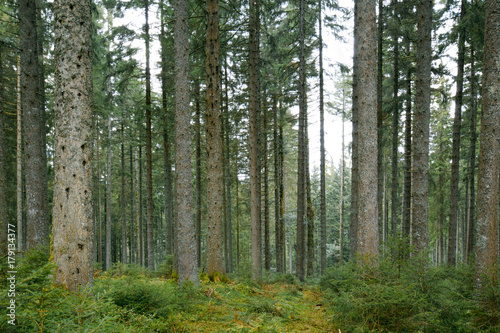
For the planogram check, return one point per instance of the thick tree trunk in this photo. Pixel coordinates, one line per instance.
(184, 224)
(455, 155)
(254, 134)
(73, 225)
(365, 91)
(215, 172)
(420, 186)
(138, 211)
(132, 207)
(34, 129)
(486, 268)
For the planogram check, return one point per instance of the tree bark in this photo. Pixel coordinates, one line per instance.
(3, 167)
(184, 224)
(406, 213)
(420, 186)
(34, 129)
(455, 155)
(149, 163)
(277, 184)
(197, 125)
(229, 225)
(395, 124)
(21, 230)
(301, 256)
(108, 201)
(322, 147)
(254, 134)
(471, 230)
(486, 268)
(380, 122)
(123, 202)
(365, 91)
(73, 225)
(267, 236)
(215, 175)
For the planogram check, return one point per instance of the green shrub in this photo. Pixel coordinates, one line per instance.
(408, 297)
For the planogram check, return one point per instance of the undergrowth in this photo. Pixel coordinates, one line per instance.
(406, 295)
(130, 298)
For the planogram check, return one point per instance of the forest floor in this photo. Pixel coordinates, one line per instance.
(241, 305)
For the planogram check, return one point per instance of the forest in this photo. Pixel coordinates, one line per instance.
(170, 166)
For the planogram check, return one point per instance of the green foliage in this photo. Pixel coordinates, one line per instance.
(405, 297)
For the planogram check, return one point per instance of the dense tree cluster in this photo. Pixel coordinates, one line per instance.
(210, 167)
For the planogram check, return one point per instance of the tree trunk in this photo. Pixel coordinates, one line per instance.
(73, 224)
(229, 225)
(132, 207)
(149, 163)
(3, 167)
(184, 224)
(301, 256)
(486, 268)
(138, 211)
(420, 186)
(215, 175)
(198, 172)
(322, 147)
(123, 202)
(21, 231)
(342, 174)
(471, 234)
(277, 182)
(34, 129)
(267, 236)
(365, 91)
(108, 201)
(455, 155)
(380, 122)
(99, 218)
(254, 134)
(395, 125)
(406, 213)
(167, 141)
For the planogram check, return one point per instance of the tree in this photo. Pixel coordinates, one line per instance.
(184, 224)
(254, 134)
(365, 98)
(395, 122)
(149, 164)
(3, 167)
(420, 145)
(322, 147)
(34, 128)
(301, 167)
(486, 268)
(73, 211)
(455, 156)
(215, 254)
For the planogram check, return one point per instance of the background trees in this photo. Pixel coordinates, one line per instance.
(249, 86)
